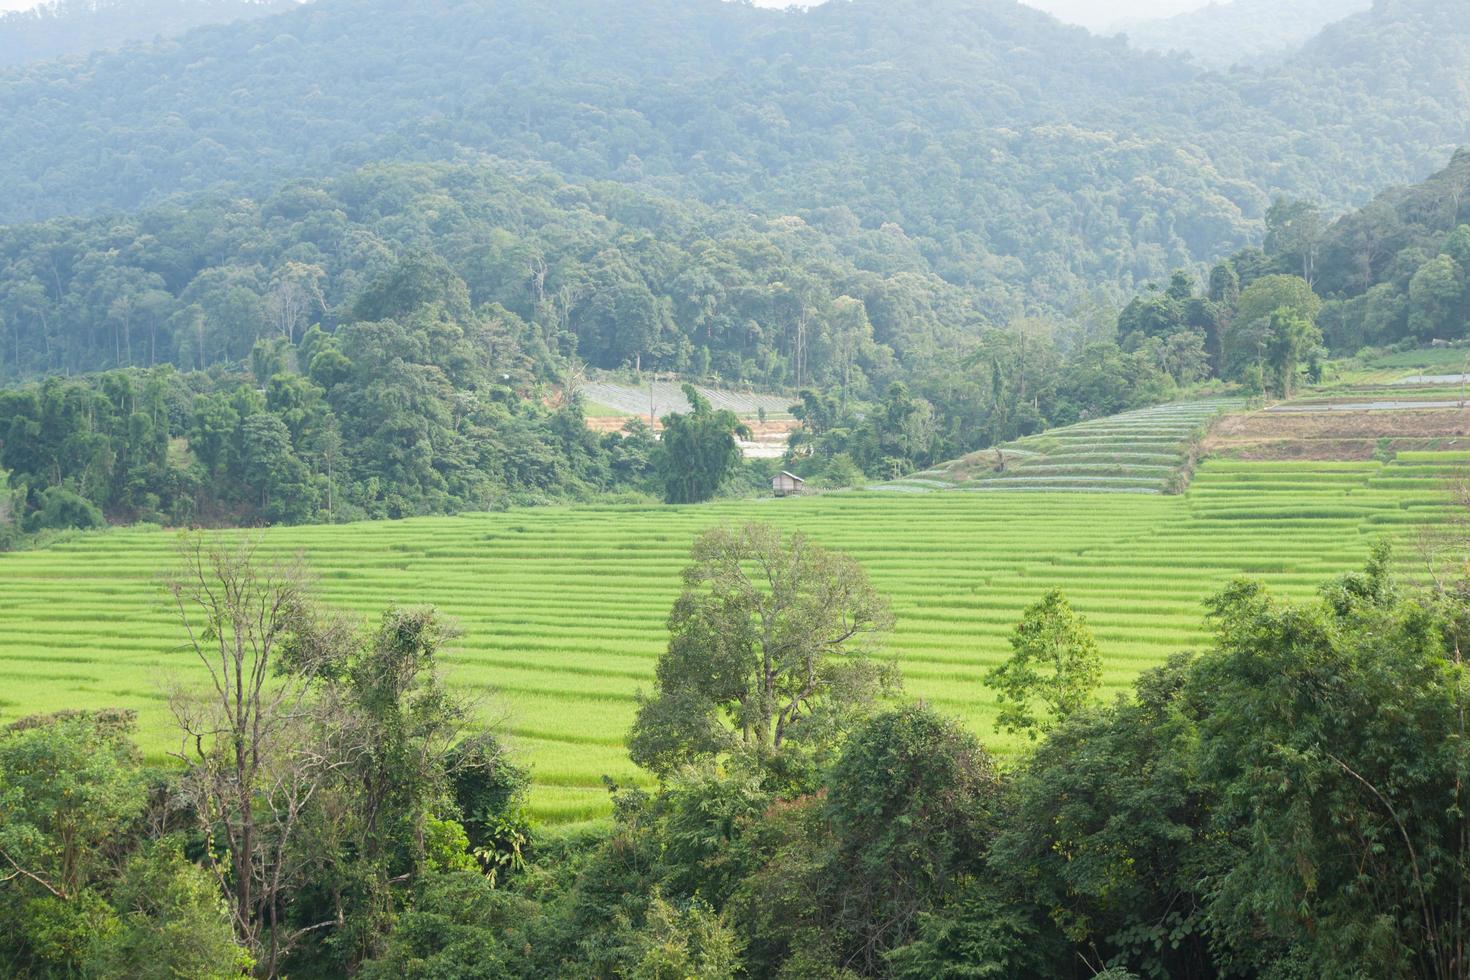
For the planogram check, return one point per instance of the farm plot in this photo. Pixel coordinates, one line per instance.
(563, 609)
(1146, 451)
(667, 396)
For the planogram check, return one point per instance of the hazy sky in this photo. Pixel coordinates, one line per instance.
(1091, 13)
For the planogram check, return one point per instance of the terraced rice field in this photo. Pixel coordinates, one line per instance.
(1136, 452)
(564, 608)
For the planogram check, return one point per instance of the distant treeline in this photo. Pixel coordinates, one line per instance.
(417, 404)
(1395, 273)
(305, 308)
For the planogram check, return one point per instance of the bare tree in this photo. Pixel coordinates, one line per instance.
(255, 756)
(295, 293)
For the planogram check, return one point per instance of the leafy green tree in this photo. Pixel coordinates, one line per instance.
(383, 706)
(683, 944)
(60, 509)
(1435, 294)
(1253, 337)
(419, 280)
(72, 786)
(71, 792)
(1108, 827)
(910, 800)
(1052, 672)
(457, 926)
(697, 451)
(488, 787)
(852, 332)
(270, 464)
(172, 922)
(984, 931)
(769, 649)
(1295, 231)
(1292, 337)
(1332, 739)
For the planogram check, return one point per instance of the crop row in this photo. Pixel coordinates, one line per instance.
(1136, 452)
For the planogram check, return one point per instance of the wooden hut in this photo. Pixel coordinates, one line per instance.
(787, 484)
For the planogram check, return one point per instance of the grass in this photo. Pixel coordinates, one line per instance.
(563, 609)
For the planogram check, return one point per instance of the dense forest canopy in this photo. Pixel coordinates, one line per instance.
(1393, 273)
(1025, 159)
(608, 274)
(73, 28)
(487, 285)
(407, 339)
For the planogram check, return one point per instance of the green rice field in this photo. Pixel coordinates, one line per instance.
(1144, 451)
(563, 608)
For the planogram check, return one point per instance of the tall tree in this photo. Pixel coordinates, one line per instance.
(1053, 670)
(770, 646)
(697, 450)
(253, 761)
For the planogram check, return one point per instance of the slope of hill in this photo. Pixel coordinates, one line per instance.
(1238, 31)
(72, 28)
(1027, 160)
(1144, 451)
(1398, 269)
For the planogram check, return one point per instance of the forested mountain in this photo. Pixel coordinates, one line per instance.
(1240, 31)
(1025, 159)
(68, 28)
(1395, 273)
(1398, 269)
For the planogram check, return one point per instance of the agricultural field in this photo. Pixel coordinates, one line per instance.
(1147, 451)
(563, 609)
(611, 398)
(1393, 367)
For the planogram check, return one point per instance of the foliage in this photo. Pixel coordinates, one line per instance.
(910, 802)
(458, 925)
(1108, 830)
(171, 922)
(390, 419)
(768, 652)
(623, 278)
(1053, 670)
(71, 797)
(687, 944)
(982, 933)
(697, 451)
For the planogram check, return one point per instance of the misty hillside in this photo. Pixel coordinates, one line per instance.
(1239, 31)
(71, 28)
(1027, 160)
